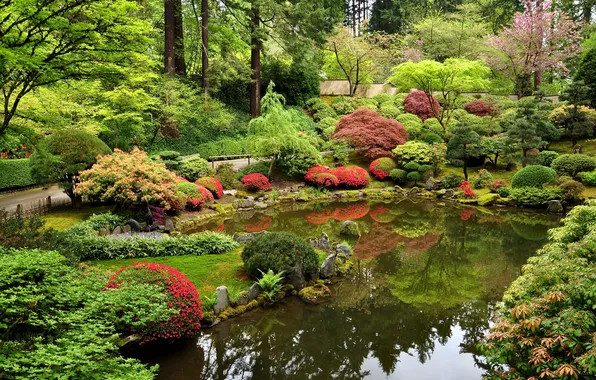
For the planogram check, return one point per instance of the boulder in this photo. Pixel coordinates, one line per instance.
(296, 278)
(350, 228)
(328, 268)
(254, 291)
(244, 203)
(169, 225)
(432, 184)
(316, 294)
(230, 192)
(555, 207)
(223, 299)
(104, 231)
(343, 250)
(449, 193)
(117, 230)
(260, 204)
(243, 299)
(322, 243)
(126, 229)
(243, 237)
(488, 199)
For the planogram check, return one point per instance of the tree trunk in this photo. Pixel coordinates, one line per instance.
(465, 170)
(179, 62)
(205, 43)
(255, 65)
(537, 80)
(169, 55)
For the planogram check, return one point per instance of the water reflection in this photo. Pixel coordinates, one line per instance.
(419, 300)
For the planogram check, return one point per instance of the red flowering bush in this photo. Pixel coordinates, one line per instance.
(317, 169)
(319, 217)
(467, 189)
(192, 196)
(417, 103)
(320, 176)
(351, 177)
(212, 184)
(370, 133)
(351, 211)
(183, 300)
(497, 184)
(381, 167)
(181, 179)
(260, 225)
(158, 214)
(480, 108)
(256, 182)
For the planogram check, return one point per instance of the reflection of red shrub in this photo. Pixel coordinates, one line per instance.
(370, 133)
(351, 177)
(319, 217)
(381, 239)
(352, 211)
(467, 213)
(381, 167)
(256, 182)
(381, 214)
(480, 108)
(183, 297)
(422, 243)
(220, 228)
(260, 225)
(212, 184)
(417, 103)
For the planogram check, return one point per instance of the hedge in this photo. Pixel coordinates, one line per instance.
(15, 173)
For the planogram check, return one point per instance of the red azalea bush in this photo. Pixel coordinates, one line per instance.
(256, 182)
(208, 195)
(319, 217)
(497, 184)
(381, 167)
(351, 177)
(181, 179)
(351, 212)
(417, 103)
(183, 298)
(158, 213)
(212, 184)
(370, 133)
(260, 225)
(317, 169)
(320, 176)
(467, 189)
(191, 196)
(480, 108)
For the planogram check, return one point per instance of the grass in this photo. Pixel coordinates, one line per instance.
(62, 219)
(205, 272)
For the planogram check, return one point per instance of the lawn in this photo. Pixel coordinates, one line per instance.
(62, 219)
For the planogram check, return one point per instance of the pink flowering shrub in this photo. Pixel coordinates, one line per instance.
(321, 177)
(497, 184)
(212, 184)
(480, 108)
(183, 299)
(351, 177)
(256, 182)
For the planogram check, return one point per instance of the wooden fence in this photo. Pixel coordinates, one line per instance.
(40, 207)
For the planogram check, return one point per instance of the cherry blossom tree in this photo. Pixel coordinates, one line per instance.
(539, 39)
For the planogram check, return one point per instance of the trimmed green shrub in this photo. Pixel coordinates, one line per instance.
(504, 192)
(390, 111)
(194, 168)
(533, 176)
(430, 138)
(573, 164)
(535, 197)
(546, 157)
(171, 158)
(227, 176)
(589, 178)
(451, 181)
(572, 189)
(15, 173)
(413, 151)
(398, 175)
(412, 166)
(411, 123)
(413, 176)
(223, 147)
(259, 167)
(280, 252)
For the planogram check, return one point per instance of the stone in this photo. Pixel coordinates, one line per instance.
(349, 228)
(343, 250)
(555, 207)
(104, 231)
(488, 199)
(249, 198)
(223, 299)
(117, 230)
(270, 202)
(328, 268)
(169, 225)
(432, 184)
(260, 199)
(322, 243)
(230, 192)
(316, 294)
(449, 193)
(243, 299)
(260, 205)
(244, 203)
(254, 291)
(243, 237)
(296, 278)
(126, 229)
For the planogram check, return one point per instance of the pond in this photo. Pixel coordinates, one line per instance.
(423, 293)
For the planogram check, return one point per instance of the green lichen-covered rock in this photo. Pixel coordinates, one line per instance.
(350, 228)
(488, 199)
(316, 294)
(466, 201)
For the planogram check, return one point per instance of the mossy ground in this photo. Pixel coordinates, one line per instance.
(61, 219)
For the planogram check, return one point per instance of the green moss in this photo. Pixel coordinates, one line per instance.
(468, 201)
(315, 294)
(488, 199)
(322, 255)
(62, 219)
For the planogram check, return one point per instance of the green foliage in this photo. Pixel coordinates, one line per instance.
(451, 181)
(483, 180)
(535, 197)
(226, 176)
(412, 166)
(270, 283)
(296, 82)
(281, 252)
(546, 157)
(533, 176)
(223, 147)
(23, 232)
(15, 173)
(572, 189)
(413, 176)
(98, 221)
(504, 192)
(194, 168)
(170, 158)
(259, 167)
(573, 164)
(587, 74)
(70, 332)
(398, 175)
(464, 145)
(411, 123)
(430, 138)
(589, 178)
(413, 151)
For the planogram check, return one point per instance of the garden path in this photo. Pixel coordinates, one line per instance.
(10, 201)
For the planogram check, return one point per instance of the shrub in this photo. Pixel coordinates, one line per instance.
(221, 147)
(317, 169)
(381, 167)
(15, 173)
(194, 168)
(411, 123)
(398, 175)
(170, 158)
(431, 138)
(226, 175)
(256, 182)
(451, 181)
(325, 180)
(589, 178)
(535, 197)
(533, 176)
(413, 151)
(280, 252)
(417, 103)
(571, 188)
(483, 180)
(259, 167)
(466, 187)
(389, 111)
(183, 299)
(497, 184)
(371, 134)
(412, 166)
(126, 178)
(342, 106)
(211, 184)
(413, 176)
(504, 192)
(480, 108)
(573, 164)
(351, 177)
(546, 157)
(195, 195)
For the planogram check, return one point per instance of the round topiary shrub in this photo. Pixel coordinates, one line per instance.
(381, 167)
(411, 123)
(317, 169)
(573, 164)
(194, 196)
(280, 252)
(451, 181)
(480, 108)
(416, 151)
(256, 182)
(418, 104)
(546, 157)
(412, 166)
(398, 175)
(194, 168)
(325, 180)
(431, 138)
(212, 184)
(183, 305)
(351, 177)
(533, 176)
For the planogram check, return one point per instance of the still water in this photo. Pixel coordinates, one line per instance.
(423, 293)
